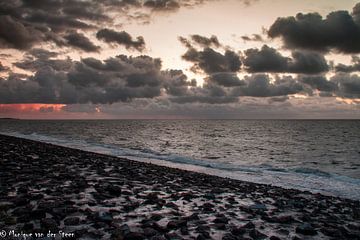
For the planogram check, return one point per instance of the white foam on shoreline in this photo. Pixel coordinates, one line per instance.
(297, 178)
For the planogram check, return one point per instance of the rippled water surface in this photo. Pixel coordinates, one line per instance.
(281, 150)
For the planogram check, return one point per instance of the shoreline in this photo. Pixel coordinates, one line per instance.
(94, 196)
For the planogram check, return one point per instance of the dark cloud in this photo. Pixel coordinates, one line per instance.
(339, 31)
(201, 41)
(57, 22)
(162, 5)
(14, 34)
(122, 38)
(253, 37)
(348, 85)
(268, 59)
(211, 61)
(3, 68)
(319, 83)
(354, 67)
(122, 78)
(205, 41)
(42, 53)
(80, 41)
(260, 85)
(226, 79)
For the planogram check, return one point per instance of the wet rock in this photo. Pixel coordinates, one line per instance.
(156, 217)
(184, 230)
(249, 225)
(172, 236)
(175, 224)
(72, 221)
(306, 229)
(220, 226)
(105, 217)
(275, 238)
(134, 236)
(229, 236)
(149, 232)
(114, 190)
(255, 234)
(238, 231)
(261, 207)
(221, 219)
(49, 224)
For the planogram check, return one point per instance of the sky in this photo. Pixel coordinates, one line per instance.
(171, 59)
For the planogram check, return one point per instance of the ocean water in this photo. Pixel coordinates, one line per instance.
(315, 155)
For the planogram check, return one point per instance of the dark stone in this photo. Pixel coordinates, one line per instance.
(134, 236)
(220, 226)
(238, 231)
(249, 225)
(49, 224)
(306, 229)
(221, 220)
(275, 238)
(156, 217)
(149, 232)
(72, 221)
(38, 214)
(255, 234)
(105, 217)
(229, 236)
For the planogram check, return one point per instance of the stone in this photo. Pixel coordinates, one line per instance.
(255, 234)
(72, 221)
(306, 229)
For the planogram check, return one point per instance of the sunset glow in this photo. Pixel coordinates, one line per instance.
(4, 108)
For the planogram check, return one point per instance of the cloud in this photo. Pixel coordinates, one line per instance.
(162, 5)
(354, 67)
(225, 79)
(14, 34)
(260, 85)
(90, 80)
(339, 31)
(319, 83)
(348, 85)
(42, 53)
(253, 37)
(3, 68)
(205, 41)
(121, 38)
(268, 59)
(211, 61)
(80, 41)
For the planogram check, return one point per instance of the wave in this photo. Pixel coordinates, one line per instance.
(308, 179)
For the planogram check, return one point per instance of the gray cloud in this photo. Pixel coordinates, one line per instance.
(121, 38)
(259, 85)
(354, 67)
(80, 41)
(319, 83)
(348, 85)
(14, 34)
(122, 78)
(211, 61)
(253, 37)
(205, 41)
(162, 5)
(268, 59)
(339, 31)
(3, 68)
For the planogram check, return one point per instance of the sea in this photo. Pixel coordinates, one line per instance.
(321, 156)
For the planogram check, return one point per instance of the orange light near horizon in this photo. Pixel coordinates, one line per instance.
(31, 107)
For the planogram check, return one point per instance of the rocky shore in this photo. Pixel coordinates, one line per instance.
(52, 192)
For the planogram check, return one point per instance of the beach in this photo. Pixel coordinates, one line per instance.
(53, 192)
